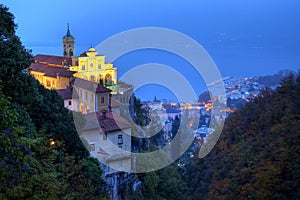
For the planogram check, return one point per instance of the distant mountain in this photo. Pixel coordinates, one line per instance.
(275, 79)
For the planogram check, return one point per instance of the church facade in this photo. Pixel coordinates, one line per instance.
(91, 66)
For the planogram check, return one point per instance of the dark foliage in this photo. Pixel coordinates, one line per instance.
(30, 115)
(257, 156)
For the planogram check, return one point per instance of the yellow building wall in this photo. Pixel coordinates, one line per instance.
(102, 105)
(56, 83)
(93, 68)
(37, 75)
(62, 82)
(49, 82)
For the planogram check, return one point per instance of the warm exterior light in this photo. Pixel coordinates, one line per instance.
(52, 142)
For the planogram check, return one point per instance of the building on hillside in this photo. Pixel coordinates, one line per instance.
(52, 71)
(115, 106)
(92, 97)
(57, 72)
(106, 132)
(66, 95)
(109, 139)
(89, 85)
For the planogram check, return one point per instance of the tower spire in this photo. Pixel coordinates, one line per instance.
(68, 30)
(68, 43)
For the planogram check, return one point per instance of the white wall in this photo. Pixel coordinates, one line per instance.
(110, 145)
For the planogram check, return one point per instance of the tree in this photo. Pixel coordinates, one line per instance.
(257, 156)
(30, 117)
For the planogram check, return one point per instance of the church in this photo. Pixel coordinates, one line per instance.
(57, 72)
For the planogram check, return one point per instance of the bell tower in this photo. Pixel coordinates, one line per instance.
(68, 44)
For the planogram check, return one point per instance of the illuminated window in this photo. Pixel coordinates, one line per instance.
(108, 79)
(81, 108)
(48, 83)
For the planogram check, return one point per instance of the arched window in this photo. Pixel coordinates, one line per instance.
(71, 52)
(108, 79)
(93, 78)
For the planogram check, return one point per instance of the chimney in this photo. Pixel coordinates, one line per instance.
(103, 114)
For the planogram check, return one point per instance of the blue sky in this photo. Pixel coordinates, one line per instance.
(244, 38)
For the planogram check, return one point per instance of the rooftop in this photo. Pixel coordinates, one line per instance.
(54, 60)
(51, 71)
(65, 93)
(90, 86)
(108, 123)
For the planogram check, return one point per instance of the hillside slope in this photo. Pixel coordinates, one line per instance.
(258, 153)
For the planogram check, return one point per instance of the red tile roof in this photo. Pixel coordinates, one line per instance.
(55, 60)
(51, 71)
(83, 54)
(102, 151)
(90, 86)
(112, 122)
(65, 93)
